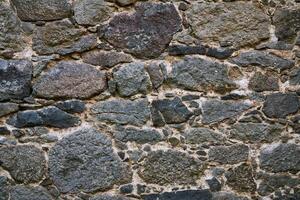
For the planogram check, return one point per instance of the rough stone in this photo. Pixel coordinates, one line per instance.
(146, 32)
(170, 167)
(7, 108)
(26, 163)
(157, 73)
(83, 156)
(122, 111)
(280, 105)
(202, 135)
(125, 2)
(110, 197)
(214, 184)
(280, 158)
(179, 50)
(68, 79)
(201, 75)
(4, 130)
(180, 195)
(20, 192)
(49, 116)
(15, 79)
(126, 189)
(219, 53)
(225, 23)
(263, 82)
(227, 196)
(229, 154)
(71, 106)
(295, 77)
(4, 188)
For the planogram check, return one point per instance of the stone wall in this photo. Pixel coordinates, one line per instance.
(149, 100)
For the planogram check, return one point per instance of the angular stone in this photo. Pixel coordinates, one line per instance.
(105, 58)
(122, 111)
(295, 77)
(157, 73)
(225, 23)
(280, 158)
(21, 192)
(227, 196)
(256, 132)
(83, 156)
(170, 167)
(26, 163)
(229, 154)
(219, 53)
(49, 116)
(201, 75)
(15, 79)
(170, 111)
(262, 59)
(132, 79)
(146, 32)
(179, 50)
(280, 105)
(7, 108)
(4, 188)
(216, 110)
(214, 184)
(110, 197)
(125, 2)
(71, 106)
(261, 82)
(180, 195)
(4, 130)
(202, 135)
(68, 79)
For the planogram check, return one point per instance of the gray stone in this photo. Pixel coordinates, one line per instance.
(42, 10)
(170, 167)
(179, 50)
(216, 110)
(180, 195)
(49, 116)
(15, 79)
(256, 132)
(68, 79)
(295, 77)
(201, 135)
(280, 105)
(20, 192)
(263, 82)
(225, 23)
(132, 79)
(125, 2)
(110, 197)
(122, 111)
(7, 108)
(26, 163)
(201, 75)
(126, 189)
(71, 106)
(280, 158)
(262, 59)
(229, 154)
(4, 188)
(157, 72)
(227, 196)
(146, 32)
(214, 184)
(83, 156)
(105, 58)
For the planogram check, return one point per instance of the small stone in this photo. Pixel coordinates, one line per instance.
(140, 188)
(157, 73)
(190, 97)
(174, 141)
(202, 135)
(295, 77)
(110, 197)
(71, 106)
(26, 163)
(179, 50)
(180, 195)
(219, 53)
(214, 184)
(125, 2)
(260, 82)
(280, 105)
(227, 196)
(4, 131)
(21, 192)
(126, 189)
(229, 154)
(8, 108)
(233, 96)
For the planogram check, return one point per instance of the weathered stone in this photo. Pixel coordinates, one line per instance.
(241, 179)
(180, 195)
(122, 111)
(15, 79)
(227, 196)
(68, 79)
(201, 135)
(214, 184)
(92, 12)
(280, 105)
(170, 167)
(146, 32)
(261, 82)
(83, 156)
(26, 163)
(220, 53)
(280, 158)
(262, 59)
(197, 74)
(49, 116)
(132, 79)
(20, 192)
(110, 197)
(225, 23)
(4, 188)
(126, 189)
(256, 132)
(71, 106)
(229, 154)
(170, 111)
(105, 58)
(295, 77)
(216, 110)
(179, 50)
(157, 73)
(7, 108)
(125, 2)
(4, 130)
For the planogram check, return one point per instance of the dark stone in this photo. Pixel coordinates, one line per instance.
(280, 105)
(296, 123)
(20, 192)
(202, 135)
(110, 197)
(180, 195)
(157, 73)
(49, 116)
(220, 53)
(141, 188)
(146, 32)
(4, 131)
(125, 2)
(229, 154)
(170, 111)
(8, 108)
(4, 188)
(179, 50)
(71, 106)
(126, 189)
(280, 158)
(190, 97)
(233, 96)
(15, 79)
(295, 77)
(214, 184)
(227, 196)
(263, 82)
(26, 163)
(170, 167)
(68, 79)
(83, 156)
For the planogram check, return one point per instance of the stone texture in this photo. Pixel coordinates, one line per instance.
(83, 156)
(229, 154)
(227, 196)
(170, 167)
(236, 23)
(122, 111)
(201, 135)
(295, 77)
(201, 75)
(263, 82)
(214, 184)
(26, 163)
(68, 79)
(125, 2)
(157, 72)
(7, 108)
(280, 105)
(110, 197)
(180, 195)
(15, 79)
(179, 50)
(146, 32)
(280, 158)
(4, 188)
(20, 192)
(71, 106)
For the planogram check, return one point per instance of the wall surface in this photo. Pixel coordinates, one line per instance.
(149, 100)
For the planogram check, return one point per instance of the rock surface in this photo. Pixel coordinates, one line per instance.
(263, 82)
(201, 135)
(7, 108)
(20, 192)
(180, 195)
(229, 154)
